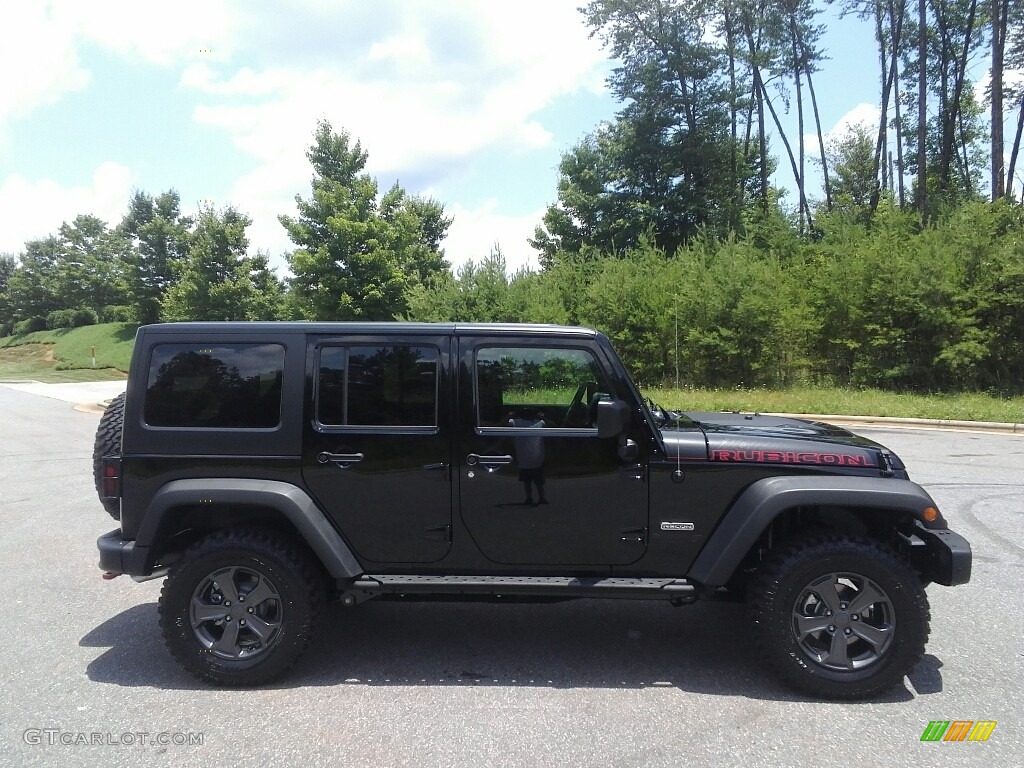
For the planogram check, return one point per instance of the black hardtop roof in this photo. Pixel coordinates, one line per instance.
(369, 328)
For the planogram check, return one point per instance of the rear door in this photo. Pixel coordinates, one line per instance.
(537, 484)
(377, 453)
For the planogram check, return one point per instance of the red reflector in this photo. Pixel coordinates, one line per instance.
(110, 486)
(110, 471)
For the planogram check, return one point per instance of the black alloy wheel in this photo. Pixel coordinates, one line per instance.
(239, 607)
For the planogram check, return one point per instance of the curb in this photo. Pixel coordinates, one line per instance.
(954, 424)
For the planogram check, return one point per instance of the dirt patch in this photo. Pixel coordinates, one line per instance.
(39, 353)
(90, 408)
(28, 361)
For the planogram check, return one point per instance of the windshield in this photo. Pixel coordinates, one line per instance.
(665, 417)
(660, 417)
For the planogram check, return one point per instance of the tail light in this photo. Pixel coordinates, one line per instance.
(111, 477)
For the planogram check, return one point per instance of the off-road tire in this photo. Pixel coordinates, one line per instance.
(295, 579)
(777, 605)
(108, 443)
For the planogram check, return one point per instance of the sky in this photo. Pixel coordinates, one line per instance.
(471, 102)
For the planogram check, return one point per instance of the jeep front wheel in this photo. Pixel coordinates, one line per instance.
(840, 617)
(239, 607)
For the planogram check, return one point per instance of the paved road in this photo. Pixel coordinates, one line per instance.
(79, 392)
(572, 684)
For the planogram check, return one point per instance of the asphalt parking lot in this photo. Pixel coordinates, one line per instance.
(85, 680)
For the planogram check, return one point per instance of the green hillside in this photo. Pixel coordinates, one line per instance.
(66, 354)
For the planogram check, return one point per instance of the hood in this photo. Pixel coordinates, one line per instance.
(759, 439)
(734, 422)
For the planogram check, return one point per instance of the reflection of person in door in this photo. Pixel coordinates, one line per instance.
(530, 456)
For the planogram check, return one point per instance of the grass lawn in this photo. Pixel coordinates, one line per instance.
(65, 355)
(847, 402)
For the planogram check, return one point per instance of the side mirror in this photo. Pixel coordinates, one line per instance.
(612, 418)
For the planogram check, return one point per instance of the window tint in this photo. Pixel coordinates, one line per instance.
(227, 386)
(394, 386)
(559, 387)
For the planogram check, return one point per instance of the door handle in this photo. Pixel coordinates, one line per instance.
(341, 460)
(490, 463)
(633, 471)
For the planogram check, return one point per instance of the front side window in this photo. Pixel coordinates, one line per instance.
(538, 386)
(217, 386)
(380, 386)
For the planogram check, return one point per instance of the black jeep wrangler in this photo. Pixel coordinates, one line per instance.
(266, 467)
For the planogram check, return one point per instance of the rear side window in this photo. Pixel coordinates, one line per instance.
(380, 386)
(222, 386)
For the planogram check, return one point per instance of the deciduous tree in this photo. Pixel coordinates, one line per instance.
(215, 280)
(358, 256)
(158, 233)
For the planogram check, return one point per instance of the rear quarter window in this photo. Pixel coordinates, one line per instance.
(220, 386)
(386, 386)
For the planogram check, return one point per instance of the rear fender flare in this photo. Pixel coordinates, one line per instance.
(290, 500)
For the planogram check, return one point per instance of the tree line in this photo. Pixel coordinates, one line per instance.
(893, 305)
(705, 86)
(903, 270)
(358, 255)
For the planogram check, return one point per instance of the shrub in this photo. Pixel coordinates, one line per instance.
(60, 318)
(117, 313)
(71, 318)
(83, 316)
(31, 325)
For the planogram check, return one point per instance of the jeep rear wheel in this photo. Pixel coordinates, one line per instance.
(840, 617)
(108, 443)
(239, 607)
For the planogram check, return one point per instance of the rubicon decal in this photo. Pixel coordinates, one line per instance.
(958, 730)
(794, 457)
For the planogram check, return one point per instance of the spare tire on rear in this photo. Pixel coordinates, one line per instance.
(108, 443)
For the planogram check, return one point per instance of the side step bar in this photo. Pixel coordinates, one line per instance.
(368, 586)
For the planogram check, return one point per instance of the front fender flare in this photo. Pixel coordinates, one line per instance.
(765, 499)
(290, 500)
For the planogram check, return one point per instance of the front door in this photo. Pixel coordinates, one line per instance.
(537, 485)
(377, 452)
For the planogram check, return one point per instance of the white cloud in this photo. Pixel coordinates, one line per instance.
(262, 195)
(35, 209)
(419, 84)
(426, 88)
(38, 60)
(41, 42)
(409, 51)
(1012, 78)
(474, 233)
(158, 33)
(863, 114)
